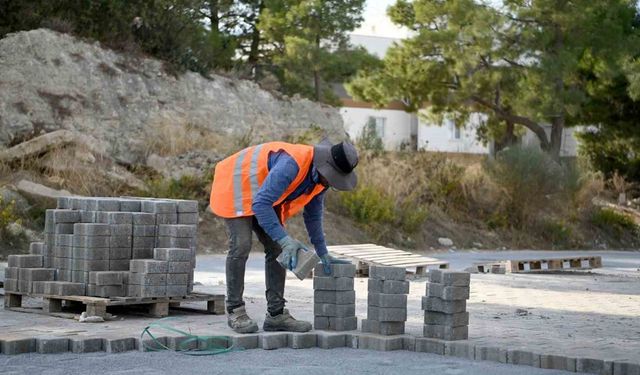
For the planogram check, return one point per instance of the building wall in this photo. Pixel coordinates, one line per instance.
(397, 128)
(445, 138)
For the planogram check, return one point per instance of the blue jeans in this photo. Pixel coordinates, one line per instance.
(240, 232)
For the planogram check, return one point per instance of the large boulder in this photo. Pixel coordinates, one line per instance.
(51, 81)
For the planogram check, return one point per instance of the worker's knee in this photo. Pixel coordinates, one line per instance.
(239, 246)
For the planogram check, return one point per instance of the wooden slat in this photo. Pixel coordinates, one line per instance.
(365, 253)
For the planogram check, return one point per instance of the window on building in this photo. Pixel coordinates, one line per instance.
(456, 132)
(379, 123)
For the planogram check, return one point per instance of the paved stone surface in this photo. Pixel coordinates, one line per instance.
(578, 315)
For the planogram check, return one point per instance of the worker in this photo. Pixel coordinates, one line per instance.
(256, 190)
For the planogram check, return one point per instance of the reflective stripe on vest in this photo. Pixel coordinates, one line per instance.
(238, 178)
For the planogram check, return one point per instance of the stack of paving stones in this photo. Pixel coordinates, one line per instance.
(387, 301)
(445, 305)
(90, 244)
(334, 298)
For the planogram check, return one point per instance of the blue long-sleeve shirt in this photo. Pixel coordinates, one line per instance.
(282, 171)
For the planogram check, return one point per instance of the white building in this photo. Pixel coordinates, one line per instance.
(401, 130)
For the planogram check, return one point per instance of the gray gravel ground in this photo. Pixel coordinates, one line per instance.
(280, 362)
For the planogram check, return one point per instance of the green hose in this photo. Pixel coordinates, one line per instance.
(204, 345)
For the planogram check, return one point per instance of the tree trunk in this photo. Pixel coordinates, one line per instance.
(316, 73)
(557, 127)
(214, 19)
(255, 39)
(509, 138)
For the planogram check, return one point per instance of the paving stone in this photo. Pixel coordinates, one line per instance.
(373, 341)
(85, 344)
(49, 345)
(177, 230)
(349, 323)
(177, 290)
(388, 286)
(107, 204)
(120, 345)
(142, 218)
(13, 272)
(428, 345)
(91, 241)
(437, 331)
(557, 362)
(148, 345)
(184, 242)
(11, 285)
(144, 231)
(409, 343)
(187, 206)
(454, 320)
(121, 241)
(119, 265)
(148, 278)
(63, 288)
(91, 229)
(172, 254)
(106, 278)
(118, 220)
(64, 203)
(180, 267)
(177, 278)
(333, 283)
(388, 273)
(130, 205)
(11, 346)
(447, 293)
(91, 253)
(119, 253)
(88, 217)
(248, 341)
(64, 228)
(157, 206)
(337, 270)
(106, 290)
(64, 239)
(439, 305)
(339, 298)
(626, 368)
(63, 275)
(148, 266)
(141, 253)
(449, 278)
(144, 291)
(461, 349)
(181, 343)
(330, 340)
(383, 328)
(593, 366)
(387, 314)
(36, 248)
(329, 309)
(523, 358)
(80, 277)
(89, 265)
(25, 261)
(63, 263)
(188, 218)
(321, 322)
(167, 218)
(37, 287)
(490, 353)
(25, 286)
(63, 251)
(304, 340)
(306, 263)
(387, 300)
(270, 341)
(121, 230)
(66, 216)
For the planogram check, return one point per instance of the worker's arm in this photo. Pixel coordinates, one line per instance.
(313, 221)
(283, 171)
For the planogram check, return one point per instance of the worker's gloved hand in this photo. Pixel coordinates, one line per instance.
(328, 260)
(290, 249)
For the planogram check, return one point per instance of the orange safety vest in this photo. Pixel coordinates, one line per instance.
(238, 178)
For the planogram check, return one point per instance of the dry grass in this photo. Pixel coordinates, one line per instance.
(165, 138)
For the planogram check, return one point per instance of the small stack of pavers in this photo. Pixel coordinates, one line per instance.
(90, 244)
(334, 298)
(167, 274)
(387, 301)
(445, 305)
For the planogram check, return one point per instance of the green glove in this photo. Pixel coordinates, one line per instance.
(290, 249)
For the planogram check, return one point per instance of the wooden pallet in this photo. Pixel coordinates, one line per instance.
(540, 265)
(366, 255)
(96, 306)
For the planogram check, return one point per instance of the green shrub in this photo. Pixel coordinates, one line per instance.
(612, 221)
(368, 205)
(556, 231)
(369, 139)
(411, 216)
(9, 239)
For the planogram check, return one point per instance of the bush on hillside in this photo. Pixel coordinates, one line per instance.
(612, 221)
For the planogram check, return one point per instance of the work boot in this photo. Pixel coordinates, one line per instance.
(285, 322)
(240, 322)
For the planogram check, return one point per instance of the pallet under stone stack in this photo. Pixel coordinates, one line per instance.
(445, 305)
(387, 301)
(334, 298)
(90, 242)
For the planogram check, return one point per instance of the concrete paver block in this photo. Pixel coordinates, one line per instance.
(333, 283)
(557, 362)
(106, 290)
(89, 265)
(91, 241)
(388, 286)
(143, 218)
(387, 300)
(130, 205)
(119, 265)
(179, 267)
(447, 293)
(179, 242)
(349, 323)
(115, 218)
(106, 278)
(387, 314)
(121, 230)
(428, 345)
(249, 341)
(144, 242)
(177, 278)
(373, 341)
(13, 272)
(297, 340)
(383, 328)
(48, 345)
(450, 278)
(37, 274)
(85, 344)
(120, 345)
(439, 305)
(142, 253)
(134, 290)
(157, 206)
(329, 340)
(388, 273)
(66, 216)
(177, 290)
(188, 218)
(187, 206)
(337, 270)
(270, 341)
(172, 254)
(181, 343)
(443, 332)
(121, 241)
(490, 353)
(329, 309)
(64, 228)
(626, 368)
(119, 253)
(36, 248)
(144, 231)
(409, 343)
(91, 229)
(594, 366)
(523, 357)
(91, 253)
(454, 320)
(25, 261)
(177, 230)
(168, 218)
(306, 262)
(148, 266)
(321, 322)
(335, 297)
(461, 349)
(11, 346)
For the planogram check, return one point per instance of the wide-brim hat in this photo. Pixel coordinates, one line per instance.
(336, 163)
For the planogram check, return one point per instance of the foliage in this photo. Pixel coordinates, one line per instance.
(518, 63)
(369, 138)
(8, 218)
(612, 221)
(185, 187)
